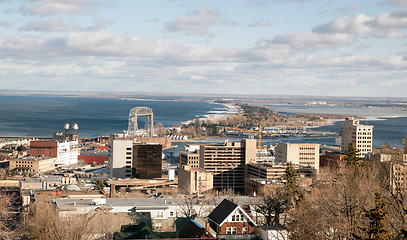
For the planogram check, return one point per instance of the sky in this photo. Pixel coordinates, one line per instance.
(272, 47)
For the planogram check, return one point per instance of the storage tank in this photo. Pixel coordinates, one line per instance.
(171, 174)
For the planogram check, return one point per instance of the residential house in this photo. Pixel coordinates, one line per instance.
(229, 218)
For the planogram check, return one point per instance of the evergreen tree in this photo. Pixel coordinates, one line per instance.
(352, 158)
(100, 186)
(291, 185)
(376, 229)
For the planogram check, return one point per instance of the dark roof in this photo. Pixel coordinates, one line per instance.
(182, 221)
(193, 230)
(222, 211)
(141, 231)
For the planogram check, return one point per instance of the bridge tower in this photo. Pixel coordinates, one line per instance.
(149, 124)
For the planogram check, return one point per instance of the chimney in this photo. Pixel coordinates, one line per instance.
(207, 226)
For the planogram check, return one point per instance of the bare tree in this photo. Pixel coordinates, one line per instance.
(8, 221)
(45, 223)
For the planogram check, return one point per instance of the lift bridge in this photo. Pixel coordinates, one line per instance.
(149, 124)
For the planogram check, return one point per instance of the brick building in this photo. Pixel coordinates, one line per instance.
(229, 218)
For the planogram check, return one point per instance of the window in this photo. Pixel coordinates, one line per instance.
(171, 214)
(233, 230)
(245, 230)
(228, 230)
(160, 214)
(158, 226)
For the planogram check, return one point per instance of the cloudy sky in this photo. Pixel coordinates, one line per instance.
(295, 47)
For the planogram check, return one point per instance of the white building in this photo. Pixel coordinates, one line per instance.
(120, 158)
(67, 153)
(360, 135)
(303, 154)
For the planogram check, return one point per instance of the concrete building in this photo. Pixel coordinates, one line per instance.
(66, 152)
(120, 158)
(129, 160)
(404, 144)
(189, 158)
(360, 135)
(267, 177)
(266, 171)
(227, 162)
(194, 180)
(32, 164)
(303, 154)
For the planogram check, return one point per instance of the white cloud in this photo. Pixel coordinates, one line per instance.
(396, 2)
(388, 25)
(55, 7)
(199, 23)
(261, 23)
(193, 25)
(313, 41)
(206, 11)
(49, 25)
(358, 25)
(99, 24)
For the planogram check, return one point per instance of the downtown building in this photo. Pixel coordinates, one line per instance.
(228, 163)
(305, 155)
(134, 160)
(66, 152)
(358, 134)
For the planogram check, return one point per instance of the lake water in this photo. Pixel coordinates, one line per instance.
(390, 125)
(42, 116)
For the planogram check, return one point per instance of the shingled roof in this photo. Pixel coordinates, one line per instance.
(222, 211)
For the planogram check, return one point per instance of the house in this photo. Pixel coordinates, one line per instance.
(229, 218)
(193, 229)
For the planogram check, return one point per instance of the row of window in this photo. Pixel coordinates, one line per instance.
(233, 230)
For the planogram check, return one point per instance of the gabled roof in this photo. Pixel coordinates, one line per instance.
(194, 230)
(223, 210)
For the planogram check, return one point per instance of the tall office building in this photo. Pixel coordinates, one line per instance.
(360, 135)
(147, 160)
(302, 154)
(134, 160)
(227, 162)
(120, 158)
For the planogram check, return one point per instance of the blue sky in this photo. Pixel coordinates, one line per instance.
(294, 47)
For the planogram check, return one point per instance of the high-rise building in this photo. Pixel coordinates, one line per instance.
(120, 158)
(129, 160)
(227, 162)
(66, 152)
(358, 134)
(404, 144)
(147, 160)
(302, 154)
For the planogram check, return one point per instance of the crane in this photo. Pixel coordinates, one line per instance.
(258, 132)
